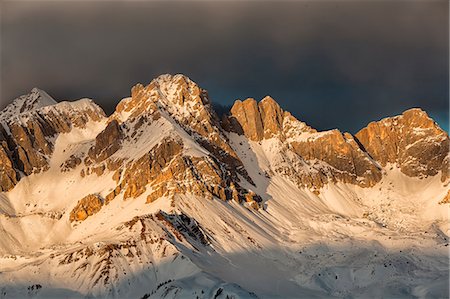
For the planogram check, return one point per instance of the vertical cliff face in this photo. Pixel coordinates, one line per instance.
(263, 120)
(411, 141)
(107, 142)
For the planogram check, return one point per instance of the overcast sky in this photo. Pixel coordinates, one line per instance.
(333, 64)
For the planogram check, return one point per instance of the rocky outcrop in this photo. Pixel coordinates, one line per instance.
(446, 199)
(411, 141)
(348, 162)
(263, 120)
(72, 162)
(34, 100)
(323, 156)
(107, 142)
(183, 225)
(86, 207)
(246, 118)
(201, 177)
(445, 169)
(27, 136)
(8, 175)
(165, 171)
(146, 169)
(189, 106)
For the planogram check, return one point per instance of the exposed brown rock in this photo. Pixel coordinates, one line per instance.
(99, 170)
(8, 176)
(263, 120)
(166, 172)
(249, 119)
(72, 162)
(272, 117)
(138, 175)
(189, 106)
(117, 175)
(27, 142)
(107, 142)
(31, 157)
(446, 199)
(86, 207)
(184, 226)
(113, 194)
(348, 162)
(412, 141)
(344, 159)
(445, 169)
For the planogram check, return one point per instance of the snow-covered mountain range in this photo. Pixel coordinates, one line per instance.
(166, 199)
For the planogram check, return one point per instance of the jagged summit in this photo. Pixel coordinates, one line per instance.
(36, 99)
(178, 95)
(263, 120)
(180, 90)
(414, 117)
(412, 141)
(28, 128)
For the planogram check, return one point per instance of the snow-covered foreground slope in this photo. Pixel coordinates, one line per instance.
(334, 240)
(390, 240)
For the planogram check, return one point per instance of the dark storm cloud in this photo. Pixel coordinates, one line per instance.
(332, 64)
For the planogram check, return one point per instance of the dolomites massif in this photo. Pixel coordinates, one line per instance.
(166, 199)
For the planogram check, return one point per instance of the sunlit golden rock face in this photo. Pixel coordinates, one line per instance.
(165, 172)
(107, 142)
(344, 160)
(26, 142)
(8, 175)
(189, 106)
(446, 199)
(165, 169)
(349, 163)
(249, 118)
(263, 120)
(86, 207)
(412, 141)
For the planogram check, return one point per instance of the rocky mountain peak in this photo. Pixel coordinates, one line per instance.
(28, 130)
(180, 90)
(190, 153)
(176, 94)
(263, 120)
(36, 99)
(177, 99)
(412, 141)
